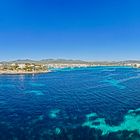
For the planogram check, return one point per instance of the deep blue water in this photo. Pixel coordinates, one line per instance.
(100, 103)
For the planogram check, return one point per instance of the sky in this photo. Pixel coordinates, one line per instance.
(70, 29)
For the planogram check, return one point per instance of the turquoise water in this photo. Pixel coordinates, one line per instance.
(95, 103)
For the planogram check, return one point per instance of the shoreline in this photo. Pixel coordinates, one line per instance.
(48, 71)
(22, 72)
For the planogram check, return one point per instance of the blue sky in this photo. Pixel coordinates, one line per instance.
(71, 29)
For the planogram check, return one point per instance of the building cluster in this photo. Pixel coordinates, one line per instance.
(136, 65)
(64, 65)
(32, 67)
(37, 67)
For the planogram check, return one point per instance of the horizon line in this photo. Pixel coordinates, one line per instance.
(69, 60)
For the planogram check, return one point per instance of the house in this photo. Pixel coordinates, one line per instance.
(1, 66)
(137, 65)
(21, 66)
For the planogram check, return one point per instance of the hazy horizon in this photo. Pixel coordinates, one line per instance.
(68, 60)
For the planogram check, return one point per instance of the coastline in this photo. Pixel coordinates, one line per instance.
(10, 72)
(22, 72)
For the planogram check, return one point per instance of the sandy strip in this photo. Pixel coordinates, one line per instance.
(23, 72)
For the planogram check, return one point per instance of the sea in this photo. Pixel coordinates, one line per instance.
(92, 103)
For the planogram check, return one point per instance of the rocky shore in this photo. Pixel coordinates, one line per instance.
(22, 72)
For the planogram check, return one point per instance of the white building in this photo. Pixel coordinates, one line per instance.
(1, 66)
(138, 65)
(21, 66)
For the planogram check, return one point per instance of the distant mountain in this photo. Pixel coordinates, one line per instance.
(23, 61)
(46, 61)
(56, 61)
(130, 61)
(62, 61)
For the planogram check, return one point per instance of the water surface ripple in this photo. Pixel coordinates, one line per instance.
(99, 103)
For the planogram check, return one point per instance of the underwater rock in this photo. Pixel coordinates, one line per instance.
(57, 131)
(131, 123)
(54, 113)
(39, 118)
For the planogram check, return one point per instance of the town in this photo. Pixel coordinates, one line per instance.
(46, 66)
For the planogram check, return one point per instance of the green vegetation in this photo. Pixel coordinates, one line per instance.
(25, 67)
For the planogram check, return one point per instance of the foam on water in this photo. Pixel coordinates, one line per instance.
(131, 123)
